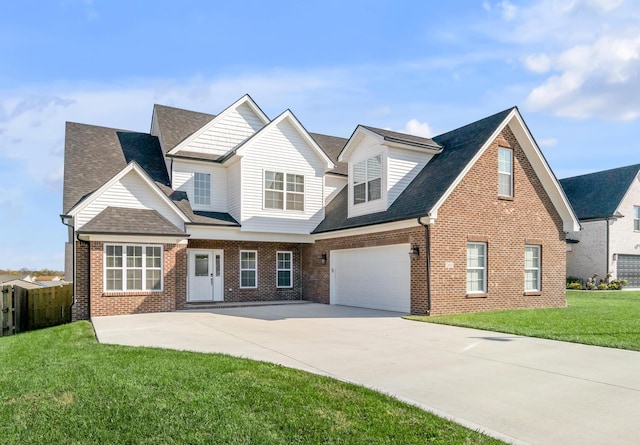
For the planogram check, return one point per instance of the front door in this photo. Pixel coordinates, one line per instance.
(205, 282)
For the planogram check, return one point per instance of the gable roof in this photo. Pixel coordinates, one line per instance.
(176, 124)
(93, 155)
(119, 221)
(598, 195)
(403, 138)
(332, 146)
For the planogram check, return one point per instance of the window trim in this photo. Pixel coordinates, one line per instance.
(510, 173)
(367, 180)
(284, 191)
(636, 218)
(290, 269)
(484, 269)
(538, 269)
(124, 268)
(195, 196)
(255, 269)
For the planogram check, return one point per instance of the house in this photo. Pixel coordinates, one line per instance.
(240, 207)
(608, 206)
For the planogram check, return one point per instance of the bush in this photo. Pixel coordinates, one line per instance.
(575, 285)
(571, 281)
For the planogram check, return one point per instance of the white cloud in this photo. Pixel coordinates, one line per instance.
(418, 128)
(549, 142)
(509, 10)
(538, 63)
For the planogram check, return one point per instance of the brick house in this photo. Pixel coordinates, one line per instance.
(238, 207)
(608, 206)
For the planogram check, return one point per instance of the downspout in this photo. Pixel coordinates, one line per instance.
(427, 247)
(606, 269)
(73, 267)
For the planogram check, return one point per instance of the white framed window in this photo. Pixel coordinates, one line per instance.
(531, 268)
(284, 269)
(202, 189)
(636, 218)
(476, 268)
(283, 191)
(505, 172)
(367, 180)
(130, 268)
(248, 269)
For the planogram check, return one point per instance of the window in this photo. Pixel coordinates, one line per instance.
(284, 269)
(277, 196)
(532, 268)
(505, 172)
(476, 267)
(133, 268)
(202, 189)
(367, 180)
(248, 268)
(636, 218)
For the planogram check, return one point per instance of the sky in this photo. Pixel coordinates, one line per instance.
(423, 67)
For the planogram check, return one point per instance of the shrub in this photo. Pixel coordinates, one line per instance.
(603, 286)
(571, 281)
(575, 285)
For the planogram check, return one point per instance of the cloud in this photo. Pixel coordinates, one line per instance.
(417, 128)
(509, 10)
(549, 142)
(538, 63)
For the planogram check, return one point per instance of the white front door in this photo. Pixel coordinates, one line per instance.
(206, 272)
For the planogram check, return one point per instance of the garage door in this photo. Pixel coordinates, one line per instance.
(372, 277)
(629, 269)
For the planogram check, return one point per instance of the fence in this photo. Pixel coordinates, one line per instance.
(27, 309)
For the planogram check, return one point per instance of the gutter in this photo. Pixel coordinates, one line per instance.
(427, 246)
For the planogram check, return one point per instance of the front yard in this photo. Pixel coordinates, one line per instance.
(602, 318)
(59, 386)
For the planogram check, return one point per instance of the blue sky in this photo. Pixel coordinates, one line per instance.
(572, 67)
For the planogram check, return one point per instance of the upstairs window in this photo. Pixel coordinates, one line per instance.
(505, 172)
(202, 189)
(636, 218)
(367, 180)
(283, 191)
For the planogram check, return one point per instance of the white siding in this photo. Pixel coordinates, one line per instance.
(281, 149)
(130, 192)
(234, 189)
(623, 240)
(183, 180)
(368, 148)
(402, 168)
(233, 127)
(332, 186)
(589, 255)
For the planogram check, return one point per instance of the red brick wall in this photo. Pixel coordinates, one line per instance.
(117, 303)
(267, 289)
(80, 310)
(473, 212)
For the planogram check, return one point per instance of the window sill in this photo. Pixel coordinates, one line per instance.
(478, 295)
(133, 293)
(505, 198)
(532, 293)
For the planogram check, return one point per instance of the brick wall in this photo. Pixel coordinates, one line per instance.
(267, 289)
(80, 309)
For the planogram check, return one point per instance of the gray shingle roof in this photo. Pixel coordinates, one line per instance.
(118, 220)
(409, 139)
(176, 124)
(93, 155)
(332, 146)
(421, 195)
(598, 195)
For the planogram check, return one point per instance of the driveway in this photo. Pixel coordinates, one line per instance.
(519, 389)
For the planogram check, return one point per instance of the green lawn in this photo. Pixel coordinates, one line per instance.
(59, 386)
(609, 318)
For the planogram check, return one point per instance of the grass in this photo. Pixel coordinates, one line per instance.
(592, 317)
(58, 385)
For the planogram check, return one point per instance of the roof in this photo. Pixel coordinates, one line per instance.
(409, 139)
(176, 124)
(9, 277)
(598, 195)
(22, 283)
(332, 146)
(93, 155)
(426, 189)
(119, 220)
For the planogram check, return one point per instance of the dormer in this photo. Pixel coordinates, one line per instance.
(381, 165)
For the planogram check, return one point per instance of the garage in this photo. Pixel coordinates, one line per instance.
(629, 269)
(372, 277)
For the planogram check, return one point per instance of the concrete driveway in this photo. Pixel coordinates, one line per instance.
(519, 389)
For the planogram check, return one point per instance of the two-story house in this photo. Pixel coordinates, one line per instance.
(239, 207)
(608, 206)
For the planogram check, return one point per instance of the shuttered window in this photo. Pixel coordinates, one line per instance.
(367, 180)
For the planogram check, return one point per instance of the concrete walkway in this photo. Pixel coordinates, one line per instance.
(519, 389)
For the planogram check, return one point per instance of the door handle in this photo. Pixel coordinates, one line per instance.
(212, 279)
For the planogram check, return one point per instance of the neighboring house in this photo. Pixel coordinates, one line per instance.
(23, 277)
(608, 206)
(239, 207)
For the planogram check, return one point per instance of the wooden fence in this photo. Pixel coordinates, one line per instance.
(27, 309)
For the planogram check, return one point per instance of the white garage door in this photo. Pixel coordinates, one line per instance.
(372, 277)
